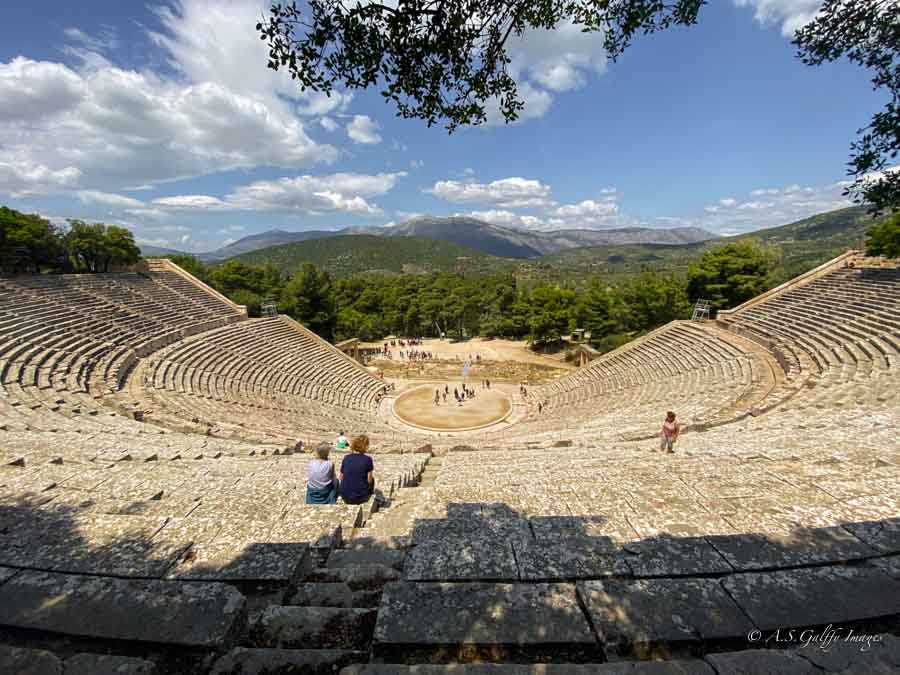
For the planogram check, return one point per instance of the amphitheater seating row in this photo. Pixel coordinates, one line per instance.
(267, 379)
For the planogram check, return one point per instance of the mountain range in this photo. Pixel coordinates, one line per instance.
(472, 233)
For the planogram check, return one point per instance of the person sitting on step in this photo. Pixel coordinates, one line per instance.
(357, 473)
(321, 485)
(342, 443)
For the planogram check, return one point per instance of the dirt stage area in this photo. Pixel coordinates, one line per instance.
(417, 407)
(500, 360)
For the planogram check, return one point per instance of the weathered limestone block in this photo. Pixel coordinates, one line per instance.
(374, 556)
(314, 628)
(674, 557)
(165, 612)
(497, 618)
(686, 667)
(637, 613)
(29, 661)
(761, 661)
(856, 651)
(476, 559)
(747, 552)
(578, 558)
(335, 594)
(809, 597)
(108, 664)
(357, 577)
(261, 661)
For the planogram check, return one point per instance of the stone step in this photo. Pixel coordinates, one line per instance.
(880, 657)
(108, 664)
(262, 661)
(372, 556)
(172, 613)
(357, 577)
(335, 594)
(498, 622)
(295, 627)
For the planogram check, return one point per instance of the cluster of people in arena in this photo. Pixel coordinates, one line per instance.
(461, 393)
(354, 483)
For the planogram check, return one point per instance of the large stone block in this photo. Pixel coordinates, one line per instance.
(261, 661)
(674, 557)
(108, 664)
(314, 628)
(20, 661)
(500, 619)
(165, 612)
(819, 596)
(577, 558)
(644, 612)
(748, 552)
(477, 559)
(753, 661)
(685, 667)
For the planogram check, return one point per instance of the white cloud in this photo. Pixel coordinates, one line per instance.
(215, 41)
(309, 195)
(328, 124)
(781, 206)
(728, 201)
(32, 90)
(108, 128)
(363, 129)
(27, 178)
(588, 207)
(105, 40)
(791, 14)
(513, 192)
(204, 202)
(109, 199)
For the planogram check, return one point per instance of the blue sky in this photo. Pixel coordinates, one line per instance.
(163, 117)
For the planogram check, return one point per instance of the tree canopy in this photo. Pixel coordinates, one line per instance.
(731, 274)
(31, 244)
(94, 247)
(28, 243)
(884, 239)
(867, 32)
(442, 60)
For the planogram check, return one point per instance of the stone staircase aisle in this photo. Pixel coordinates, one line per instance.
(326, 621)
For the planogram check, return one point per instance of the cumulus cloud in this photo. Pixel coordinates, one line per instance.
(363, 129)
(215, 41)
(790, 14)
(308, 195)
(105, 127)
(513, 192)
(770, 207)
(587, 209)
(28, 178)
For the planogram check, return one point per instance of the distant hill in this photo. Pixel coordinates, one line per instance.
(350, 254)
(149, 251)
(262, 240)
(804, 244)
(475, 234)
(514, 243)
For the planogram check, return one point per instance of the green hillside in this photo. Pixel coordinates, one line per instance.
(802, 245)
(347, 255)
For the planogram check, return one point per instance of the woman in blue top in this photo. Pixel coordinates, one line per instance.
(357, 473)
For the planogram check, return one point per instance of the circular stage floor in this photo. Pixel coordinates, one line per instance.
(416, 407)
